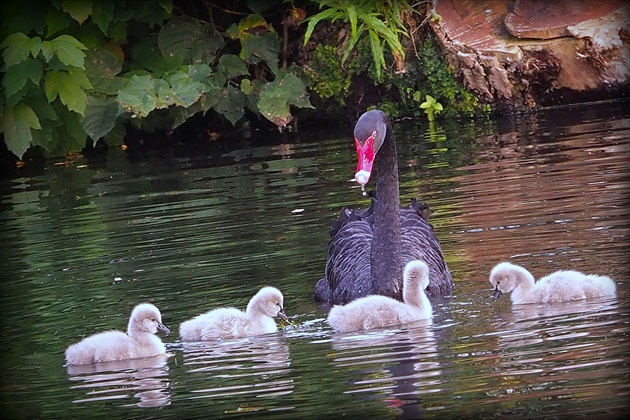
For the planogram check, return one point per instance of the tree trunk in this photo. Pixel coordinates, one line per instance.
(522, 54)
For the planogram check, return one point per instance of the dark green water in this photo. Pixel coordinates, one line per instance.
(83, 242)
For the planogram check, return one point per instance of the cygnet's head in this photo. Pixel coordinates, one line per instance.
(269, 301)
(145, 317)
(417, 272)
(505, 277)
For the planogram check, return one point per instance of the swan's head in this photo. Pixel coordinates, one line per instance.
(505, 277)
(146, 318)
(417, 271)
(269, 301)
(369, 134)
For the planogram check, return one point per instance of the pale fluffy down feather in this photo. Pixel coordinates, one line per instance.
(560, 286)
(381, 311)
(232, 323)
(139, 341)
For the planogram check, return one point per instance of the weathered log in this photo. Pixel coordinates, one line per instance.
(526, 53)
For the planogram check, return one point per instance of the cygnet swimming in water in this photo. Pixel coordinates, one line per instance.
(233, 323)
(139, 341)
(559, 286)
(376, 311)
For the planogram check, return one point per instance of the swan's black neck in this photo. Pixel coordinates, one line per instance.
(386, 246)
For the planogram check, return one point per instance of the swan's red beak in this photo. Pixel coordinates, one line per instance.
(365, 154)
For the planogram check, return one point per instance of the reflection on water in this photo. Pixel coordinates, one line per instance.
(549, 201)
(143, 379)
(396, 366)
(82, 243)
(563, 352)
(256, 367)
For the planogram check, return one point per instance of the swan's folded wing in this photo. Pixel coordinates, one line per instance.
(348, 271)
(347, 244)
(418, 241)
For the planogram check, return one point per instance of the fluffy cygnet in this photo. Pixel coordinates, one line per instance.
(139, 341)
(377, 311)
(559, 286)
(233, 323)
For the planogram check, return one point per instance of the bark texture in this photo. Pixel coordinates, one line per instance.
(522, 54)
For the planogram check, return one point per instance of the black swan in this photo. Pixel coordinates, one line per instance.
(368, 249)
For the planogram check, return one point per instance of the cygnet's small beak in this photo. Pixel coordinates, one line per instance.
(497, 294)
(163, 328)
(283, 315)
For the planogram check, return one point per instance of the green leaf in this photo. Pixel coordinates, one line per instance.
(16, 48)
(146, 54)
(215, 80)
(199, 72)
(116, 136)
(210, 99)
(17, 97)
(206, 101)
(298, 94)
(231, 104)
(276, 97)
(185, 89)
(103, 14)
(138, 95)
(46, 138)
(100, 117)
(37, 100)
(262, 48)
(273, 105)
(34, 45)
(56, 21)
(22, 16)
(67, 49)
(102, 67)
(232, 66)
(246, 86)
(118, 32)
(16, 76)
(80, 10)
(68, 85)
(377, 54)
(167, 5)
(164, 94)
(352, 17)
(352, 42)
(328, 14)
(16, 124)
(188, 40)
(72, 126)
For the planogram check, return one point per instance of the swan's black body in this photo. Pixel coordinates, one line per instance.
(368, 249)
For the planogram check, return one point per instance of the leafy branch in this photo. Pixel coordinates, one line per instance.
(381, 20)
(92, 68)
